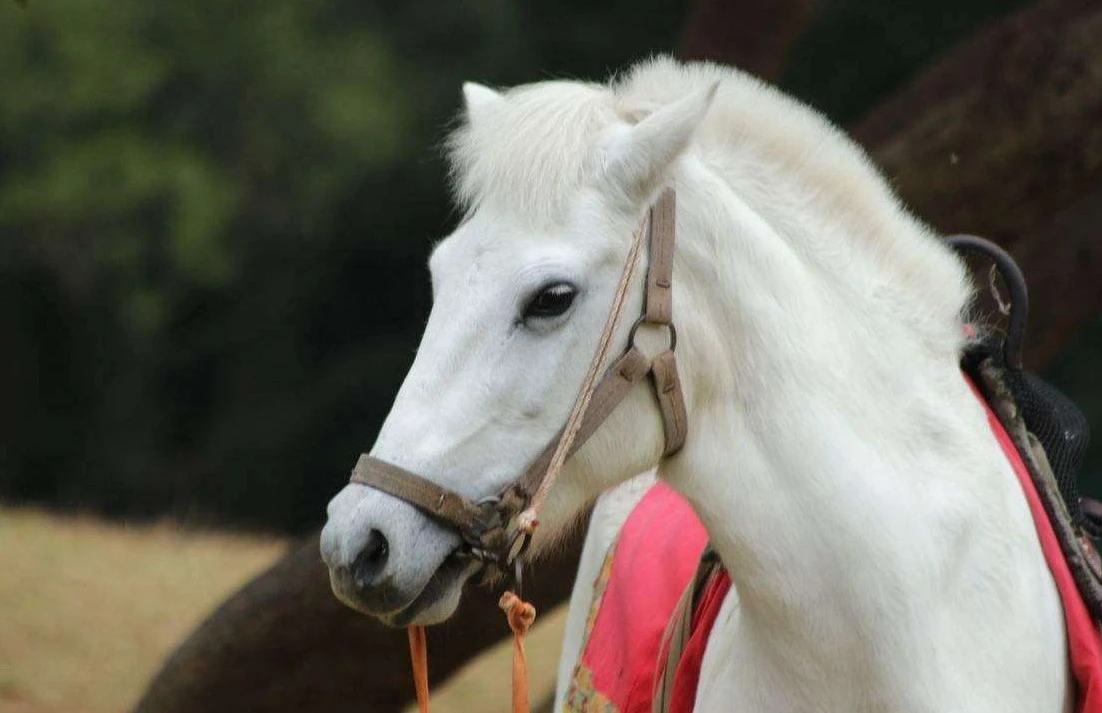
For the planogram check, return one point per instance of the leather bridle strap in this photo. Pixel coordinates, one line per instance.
(445, 505)
(660, 231)
(621, 376)
(658, 311)
(492, 526)
(464, 514)
(658, 293)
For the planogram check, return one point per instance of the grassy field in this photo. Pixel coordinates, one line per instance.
(88, 611)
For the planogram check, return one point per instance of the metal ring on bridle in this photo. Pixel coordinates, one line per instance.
(643, 320)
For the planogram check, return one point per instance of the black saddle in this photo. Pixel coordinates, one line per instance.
(1048, 429)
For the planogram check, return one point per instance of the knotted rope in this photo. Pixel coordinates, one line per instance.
(520, 615)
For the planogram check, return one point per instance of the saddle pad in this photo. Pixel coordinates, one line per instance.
(647, 569)
(1084, 642)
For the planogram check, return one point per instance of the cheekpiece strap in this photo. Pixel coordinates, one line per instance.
(658, 294)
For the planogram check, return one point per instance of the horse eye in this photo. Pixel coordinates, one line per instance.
(551, 301)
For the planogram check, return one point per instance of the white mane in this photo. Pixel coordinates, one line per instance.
(532, 153)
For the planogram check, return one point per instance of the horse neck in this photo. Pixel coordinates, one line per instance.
(835, 452)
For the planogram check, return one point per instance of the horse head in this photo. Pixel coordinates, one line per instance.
(556, 179)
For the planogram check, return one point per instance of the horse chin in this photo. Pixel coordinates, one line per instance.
(439, 599)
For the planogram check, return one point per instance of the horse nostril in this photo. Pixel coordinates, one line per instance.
(371, 560)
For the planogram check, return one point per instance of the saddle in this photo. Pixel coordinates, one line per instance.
(1048, 430)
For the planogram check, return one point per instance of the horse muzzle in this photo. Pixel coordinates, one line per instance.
(389, 560)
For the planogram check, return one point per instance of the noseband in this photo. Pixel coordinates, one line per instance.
(496, 530)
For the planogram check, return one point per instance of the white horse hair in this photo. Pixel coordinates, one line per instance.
(883, 554)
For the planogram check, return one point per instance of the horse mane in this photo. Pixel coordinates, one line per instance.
(530, 154)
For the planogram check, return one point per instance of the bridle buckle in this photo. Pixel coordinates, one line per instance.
(670, 330)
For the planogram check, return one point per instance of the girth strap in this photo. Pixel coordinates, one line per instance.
(678, 629)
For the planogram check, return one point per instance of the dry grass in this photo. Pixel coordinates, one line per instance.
(88, 610)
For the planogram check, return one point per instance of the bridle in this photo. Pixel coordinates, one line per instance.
(496, 530)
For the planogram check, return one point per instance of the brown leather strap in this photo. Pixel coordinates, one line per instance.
(658, 310)
(679, 628)
(489, 527)
(671, 401)
(465, 515)
(658, 295)
(622, 374)
(440, 503)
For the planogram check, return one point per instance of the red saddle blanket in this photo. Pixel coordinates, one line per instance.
(655, 558)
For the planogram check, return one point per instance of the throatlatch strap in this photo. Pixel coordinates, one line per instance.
(658, 310)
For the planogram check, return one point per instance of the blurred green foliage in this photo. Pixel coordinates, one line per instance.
(214, 219)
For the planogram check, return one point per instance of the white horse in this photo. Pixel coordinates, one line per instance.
(883, 554)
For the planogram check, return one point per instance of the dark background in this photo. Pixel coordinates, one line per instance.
(214, 219)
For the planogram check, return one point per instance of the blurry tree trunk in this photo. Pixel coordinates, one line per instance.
(284, 643)
(753, 35)
(1002, 137)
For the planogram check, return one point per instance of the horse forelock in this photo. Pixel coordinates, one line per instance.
(530, 154)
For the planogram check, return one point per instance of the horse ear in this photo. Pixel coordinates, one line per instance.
(478, 98)
(636, 158)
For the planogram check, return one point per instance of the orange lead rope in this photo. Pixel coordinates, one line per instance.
(520, 615)
(418, 652)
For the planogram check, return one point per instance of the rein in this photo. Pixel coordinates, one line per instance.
(496, 530)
